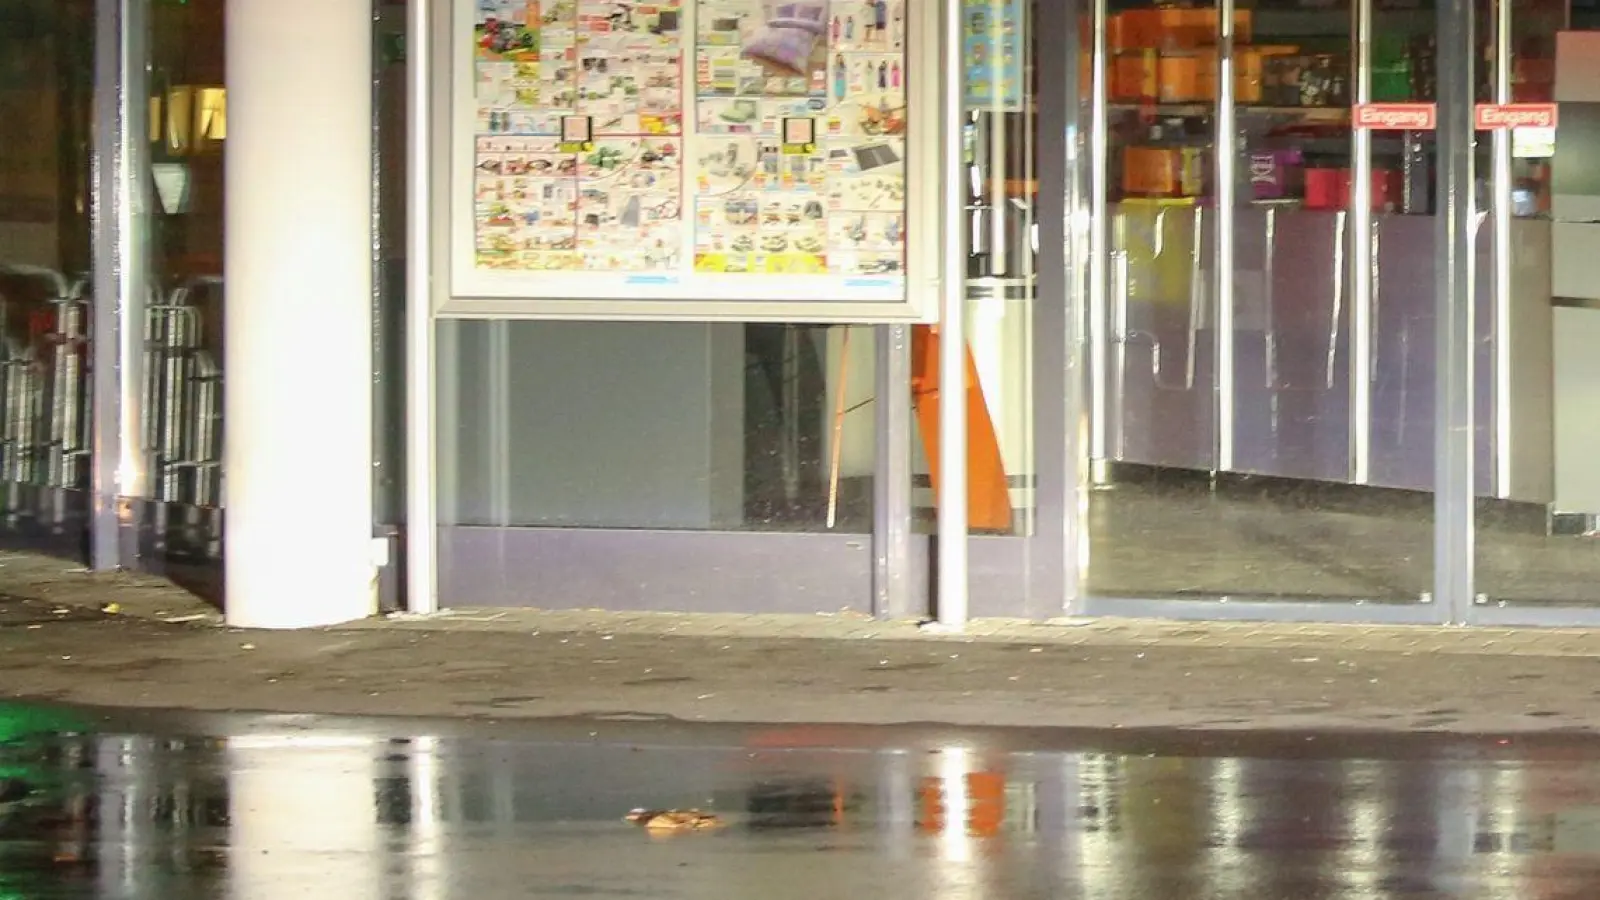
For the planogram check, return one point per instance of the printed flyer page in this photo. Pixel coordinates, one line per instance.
(579, 135)
(799, 147)
(717, 137)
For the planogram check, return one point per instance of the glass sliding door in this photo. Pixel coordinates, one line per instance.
(1537, 561)
(1259, 318)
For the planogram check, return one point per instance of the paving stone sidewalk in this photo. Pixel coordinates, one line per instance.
(133, 641)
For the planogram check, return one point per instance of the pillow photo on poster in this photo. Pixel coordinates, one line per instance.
(791, 37)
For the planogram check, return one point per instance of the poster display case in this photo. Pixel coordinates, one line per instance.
(693, 159)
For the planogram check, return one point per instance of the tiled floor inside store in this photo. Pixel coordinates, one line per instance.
(1161, 541)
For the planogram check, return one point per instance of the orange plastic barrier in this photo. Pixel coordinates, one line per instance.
(988, 494)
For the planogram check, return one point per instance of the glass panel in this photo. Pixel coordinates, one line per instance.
(47, 64)
(183, 359)
(1540, 499)
(389, 325)
(999, 144)
(657, 426)
(1261, 347)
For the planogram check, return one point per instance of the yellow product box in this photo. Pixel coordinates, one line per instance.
(1158, 238)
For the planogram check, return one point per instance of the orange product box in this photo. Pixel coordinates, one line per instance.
(1179, 79)
(1248, 68)
(1206, 74)
(1247, 75)
(1187, 27)
(1117, 37)
(1173, 28)
(1163, 171)
(1135, 76)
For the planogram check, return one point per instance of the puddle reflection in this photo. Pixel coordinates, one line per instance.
(354, 816)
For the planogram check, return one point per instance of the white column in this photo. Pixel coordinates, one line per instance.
(299, 329)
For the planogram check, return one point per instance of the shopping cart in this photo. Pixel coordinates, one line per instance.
(183, 403)
(44, 413)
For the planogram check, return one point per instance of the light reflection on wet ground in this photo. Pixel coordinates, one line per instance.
(282, 808)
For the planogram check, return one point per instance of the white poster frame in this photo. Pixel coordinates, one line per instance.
(472, 292)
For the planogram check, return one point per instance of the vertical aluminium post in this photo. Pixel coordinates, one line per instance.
(891, 482)
(421, 532)
(120, 273)
(1099, 412)
(1362, 257)
(1226, 149)
(108, 215)
(952, 518)
(1500, 209)
(1059, 393)
(1453, 379)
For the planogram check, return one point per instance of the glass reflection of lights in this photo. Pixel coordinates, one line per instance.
(955, 837)
(1364, 827)
(304, 795)
(1099, 817)
(426, 856)
(290, 812)
(1229, 816)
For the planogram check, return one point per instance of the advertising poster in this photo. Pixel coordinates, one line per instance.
(692, 139)
(992, 46)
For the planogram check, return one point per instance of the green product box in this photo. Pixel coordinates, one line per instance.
(1391, 85)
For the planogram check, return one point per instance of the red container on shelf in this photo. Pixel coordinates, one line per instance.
(1386, 188)
(1329, 188)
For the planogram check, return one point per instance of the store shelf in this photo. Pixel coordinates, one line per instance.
(1335, 114)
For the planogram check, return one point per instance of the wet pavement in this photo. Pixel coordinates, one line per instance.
(285, 806)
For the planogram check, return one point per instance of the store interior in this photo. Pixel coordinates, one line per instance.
(1236, 450)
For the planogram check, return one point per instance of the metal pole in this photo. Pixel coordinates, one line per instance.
(1099, 244)
(1059, 398)
(1362, 261)
(1227, 151)
(1501, 210)
(421, 555)
(952, 519)
(891, 482)
(1453, 380)
(107, 218)
(120, 271)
